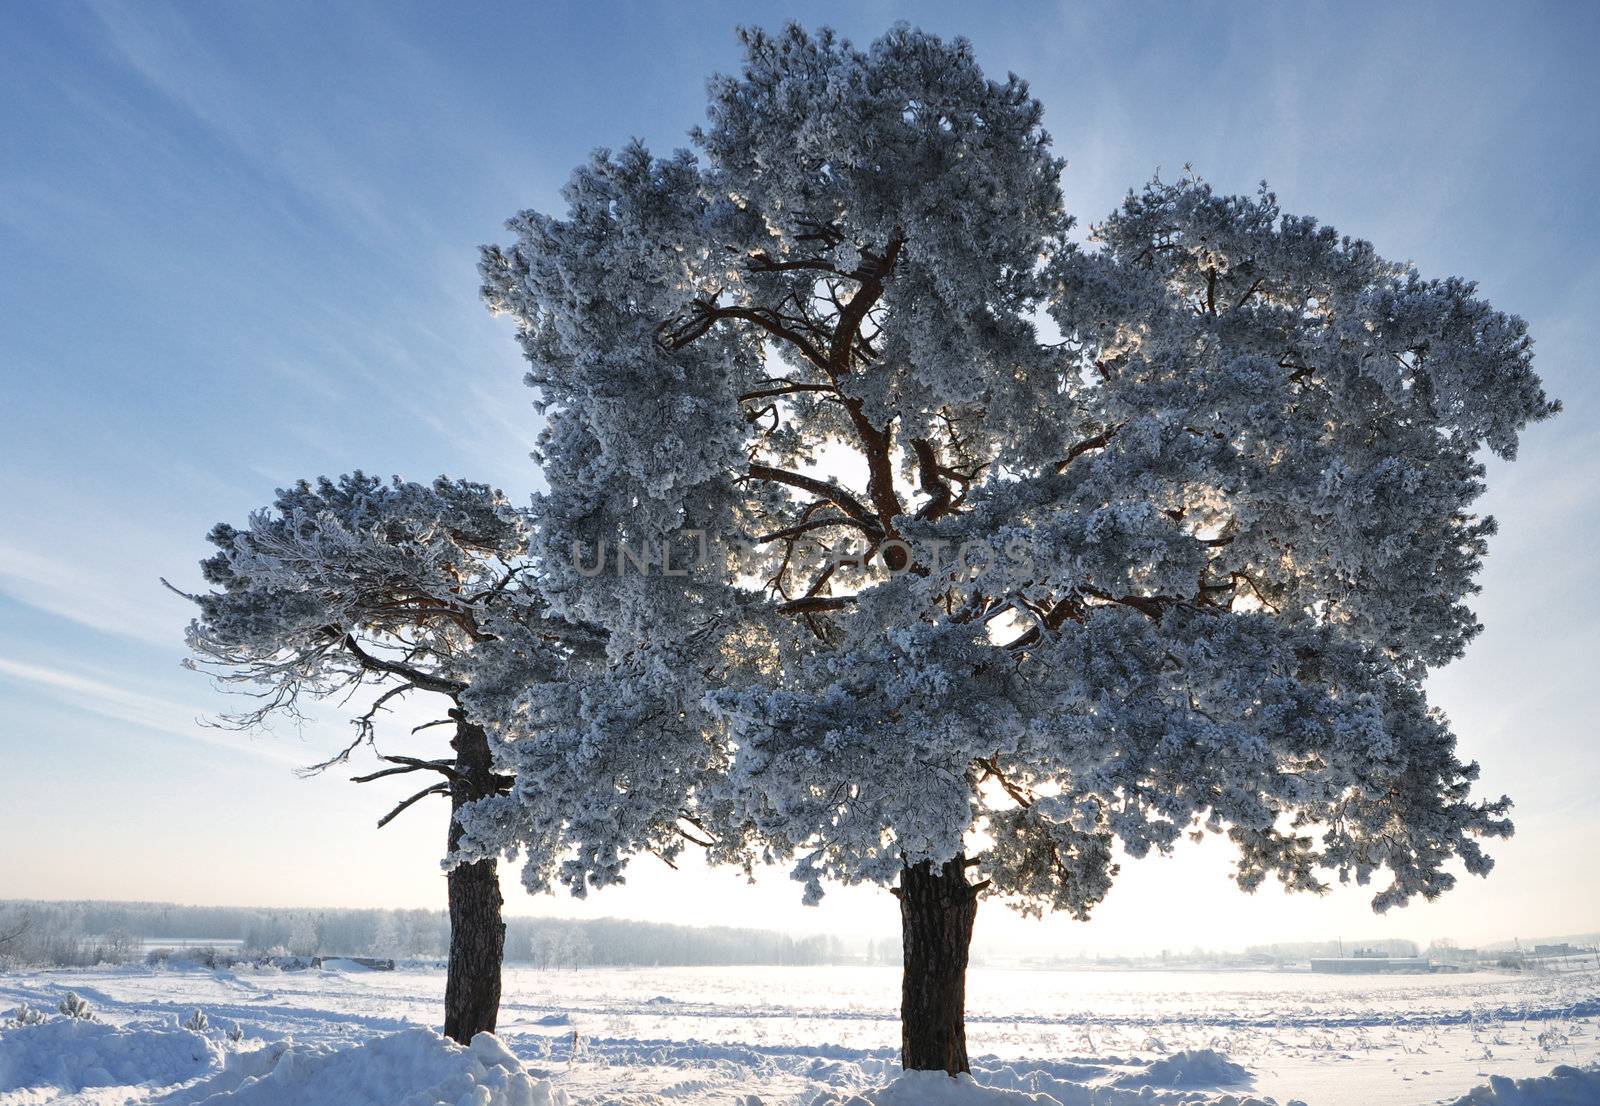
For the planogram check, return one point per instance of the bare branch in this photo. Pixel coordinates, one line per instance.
(435, 789)
(402, 765)
(813, 603)
(1099, 441)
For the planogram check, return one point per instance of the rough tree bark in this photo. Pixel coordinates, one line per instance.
(937, 909)
(477, 933)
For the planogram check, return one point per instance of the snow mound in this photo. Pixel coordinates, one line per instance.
(68, 1055)
(1182, 1079)
(1202, 1067)
(1564, 1086)
(935, 1088)
(416, 1067)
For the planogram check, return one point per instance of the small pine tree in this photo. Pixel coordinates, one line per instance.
(74, 1007)
(236, 1034)
(198, 1021)
(27, 1015)
(358, 582)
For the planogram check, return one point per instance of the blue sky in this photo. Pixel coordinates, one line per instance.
(237, 247)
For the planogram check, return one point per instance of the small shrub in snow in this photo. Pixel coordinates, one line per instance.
(198, 1021)
(236, 1034)
(27, 1015)
(74, 1007)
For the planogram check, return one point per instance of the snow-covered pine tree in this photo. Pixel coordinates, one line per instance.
(73, 1006)
(27, 1015)
(1183, 569)
(359, 582)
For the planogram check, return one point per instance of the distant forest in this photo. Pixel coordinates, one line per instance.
(86, 933)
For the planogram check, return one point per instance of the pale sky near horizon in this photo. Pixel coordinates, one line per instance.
(237, 247)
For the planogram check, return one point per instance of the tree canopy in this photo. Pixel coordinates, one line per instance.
(972, 538)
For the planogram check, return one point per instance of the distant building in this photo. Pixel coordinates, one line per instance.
(1562, 949)
(375, 963)
(1365, 962)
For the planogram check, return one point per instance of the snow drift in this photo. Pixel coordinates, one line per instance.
(416, 1067)
(1182, 1079)
(1202, 1067)
(1564, 1086)
(935, 1088)
(69, 1055)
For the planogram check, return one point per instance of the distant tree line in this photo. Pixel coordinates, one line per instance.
(1304, 950)
(605, 942)
(76, 934)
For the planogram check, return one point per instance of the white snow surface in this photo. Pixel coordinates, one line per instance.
(803, 1037)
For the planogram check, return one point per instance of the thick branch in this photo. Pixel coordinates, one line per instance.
(850, 319)
(1097, 442)
(428, 681)
(802, 528)
(1054, 618)
(787, 389)
(813, 603)
(934, 485)
(703, 316)
(834, 494)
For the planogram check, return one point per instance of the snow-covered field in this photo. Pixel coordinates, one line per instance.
(740, 1036)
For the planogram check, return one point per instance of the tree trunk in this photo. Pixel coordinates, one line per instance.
(477, 933)
(937, 909)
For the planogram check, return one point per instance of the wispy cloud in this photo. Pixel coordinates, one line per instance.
(69, 590)
(149, 712)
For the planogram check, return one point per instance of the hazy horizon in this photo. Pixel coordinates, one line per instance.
(852, 942)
